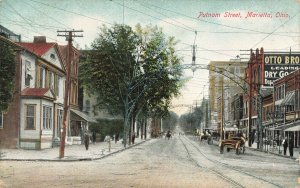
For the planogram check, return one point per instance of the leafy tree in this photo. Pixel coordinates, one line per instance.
(130, 70)
(191, 121)
(7, 72)
(170, 121)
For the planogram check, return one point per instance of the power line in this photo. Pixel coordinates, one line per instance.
(210, 22)
(28, 22)
(167, 17)
(274, 30)
(48, 15)
(153, 16)
(72, 12)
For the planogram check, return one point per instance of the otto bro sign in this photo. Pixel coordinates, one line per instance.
(278, 65)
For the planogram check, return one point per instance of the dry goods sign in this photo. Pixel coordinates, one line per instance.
(278, 65)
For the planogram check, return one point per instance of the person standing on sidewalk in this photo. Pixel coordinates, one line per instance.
(291, 147)
(285, 145)
(94, 137)
(86, 140)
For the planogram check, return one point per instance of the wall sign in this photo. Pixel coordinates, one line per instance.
(278, 65)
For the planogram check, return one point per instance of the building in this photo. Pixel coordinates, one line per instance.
(34, 118)
(287, 103)
(9, 34)
(38, 99)
(226, 78)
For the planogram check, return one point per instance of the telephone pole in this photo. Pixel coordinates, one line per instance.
(69, 34)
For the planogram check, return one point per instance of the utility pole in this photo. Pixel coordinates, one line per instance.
(69, 36)
(222, 110)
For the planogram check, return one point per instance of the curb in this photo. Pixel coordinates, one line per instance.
(79, 159)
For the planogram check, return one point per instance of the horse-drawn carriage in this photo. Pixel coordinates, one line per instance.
(237, 143)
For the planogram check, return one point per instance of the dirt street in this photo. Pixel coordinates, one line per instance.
(178, 162)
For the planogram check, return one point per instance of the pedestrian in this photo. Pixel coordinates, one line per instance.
(94, 137)
(133, 138)
(285, 145)
(86, 140)
(117, 138)
(291, 147)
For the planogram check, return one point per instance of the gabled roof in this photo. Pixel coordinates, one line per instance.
(38, 92)
(37, 48)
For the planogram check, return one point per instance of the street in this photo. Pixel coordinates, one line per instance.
(181, 161)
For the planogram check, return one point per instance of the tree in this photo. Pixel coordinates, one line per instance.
(7, 72)
(131, 70)
(170, 121)
(191, 121)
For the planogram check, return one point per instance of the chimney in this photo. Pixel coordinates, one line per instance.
(39, 39)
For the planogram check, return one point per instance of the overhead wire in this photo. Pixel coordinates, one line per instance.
(210, 22)
(57, 21)
(275, 30)
(72, 12)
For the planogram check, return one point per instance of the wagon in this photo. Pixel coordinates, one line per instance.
(237, 143)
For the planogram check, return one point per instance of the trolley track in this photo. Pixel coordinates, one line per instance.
(216, 168)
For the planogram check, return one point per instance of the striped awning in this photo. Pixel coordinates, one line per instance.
(289, 99)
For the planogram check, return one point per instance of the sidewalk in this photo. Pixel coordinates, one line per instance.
(72, 152)
(276, 151)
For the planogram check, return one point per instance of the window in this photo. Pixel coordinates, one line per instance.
(52, 56)
(47, 117)
(42, 77)
(56, 84)
(28, 75)
(1, 120)
(280, 92)
(59, 121)
(30, 117)
(51, 80)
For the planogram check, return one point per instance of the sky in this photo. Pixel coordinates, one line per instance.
(220, 29)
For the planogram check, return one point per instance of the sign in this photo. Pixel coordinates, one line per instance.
(278, 65)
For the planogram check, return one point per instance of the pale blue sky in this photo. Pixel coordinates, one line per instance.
(217, 38)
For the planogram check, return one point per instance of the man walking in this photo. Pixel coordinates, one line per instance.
(291, 147)
(285, 145)
(86, 140)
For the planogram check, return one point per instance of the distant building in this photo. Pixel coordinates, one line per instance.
(225, 80)
(9, 34)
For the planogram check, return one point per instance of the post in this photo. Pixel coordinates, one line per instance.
(222, 109)
(250, 136)
(69, 35)
(259, 119)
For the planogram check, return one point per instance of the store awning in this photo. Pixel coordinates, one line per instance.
(84, 116)
(293, 129)
(289, 99)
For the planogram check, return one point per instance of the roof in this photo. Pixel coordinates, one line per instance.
(84, 116)
(38, 92)
(37, 48)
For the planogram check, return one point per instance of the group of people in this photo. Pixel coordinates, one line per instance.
(288, 144)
